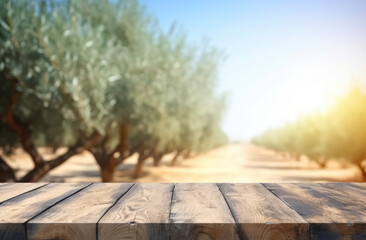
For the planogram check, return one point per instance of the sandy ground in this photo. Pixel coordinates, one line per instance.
(236, 162)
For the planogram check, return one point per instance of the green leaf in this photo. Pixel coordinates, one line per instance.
(4, 25)
(114, 78)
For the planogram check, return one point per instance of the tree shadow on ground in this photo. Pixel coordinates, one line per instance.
(273, 167)
(319, 179)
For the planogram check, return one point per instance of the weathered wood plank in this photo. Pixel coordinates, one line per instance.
(77, 216)
(328, 218)
(355, 191)
(261, 215)
(183, 211)
(10, 190)
(199, 211)
(346, 194)
(142, 213)
(17, 211)
(357, 186)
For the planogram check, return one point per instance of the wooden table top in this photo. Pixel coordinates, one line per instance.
(182, 211)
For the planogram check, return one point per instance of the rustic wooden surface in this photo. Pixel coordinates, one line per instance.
(183, 211)
(17, 211)
(261, 215)
(199, 211)
(81, 219)
(329, 217)
(10, 190)
(143, 213)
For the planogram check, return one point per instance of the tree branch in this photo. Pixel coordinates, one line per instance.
(41, 167)
(122, 146)
(21, 129)
(37, 173)
(6, 172)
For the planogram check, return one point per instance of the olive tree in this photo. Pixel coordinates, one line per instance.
(337, 133)
(102, 76)
(51, 92)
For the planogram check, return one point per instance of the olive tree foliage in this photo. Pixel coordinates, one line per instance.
(51, 89)
(345, 135)
(101, 76)
(337, 133)
(185, 108)
(162, 92)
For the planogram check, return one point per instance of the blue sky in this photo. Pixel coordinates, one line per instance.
(284, 58)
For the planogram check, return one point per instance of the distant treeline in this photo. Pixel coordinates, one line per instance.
(337, 133)
(101, 76)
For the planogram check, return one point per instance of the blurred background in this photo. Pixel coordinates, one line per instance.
(182, 91)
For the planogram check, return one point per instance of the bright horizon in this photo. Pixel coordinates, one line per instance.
(284, 58)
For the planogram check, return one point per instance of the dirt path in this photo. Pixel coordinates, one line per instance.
(239, 162)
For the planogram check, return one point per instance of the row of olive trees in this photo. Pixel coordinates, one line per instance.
(101, 76)
(337, 133)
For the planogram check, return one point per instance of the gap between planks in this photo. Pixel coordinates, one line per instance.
(115, 202)
(239, 230)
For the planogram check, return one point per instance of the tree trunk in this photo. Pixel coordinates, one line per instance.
(40, 170)
(140, 162)
(321, 162)
(41, 167)
(107, 173)
(138, 168)
(105, 161)
(6, 172)
(123, 132)
(107, 167)
(362, 169)
(157, 158)
(109, 170)
(174, 160)
(187, 153)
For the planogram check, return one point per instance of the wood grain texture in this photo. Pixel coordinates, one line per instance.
(353, 191)
(183, 211)
(261, 215)
(199, 211)
(15, 212)
(142, 213)
(349, 195)
(328, 218)
(356, 186)
(10, 190)
(77, 216)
